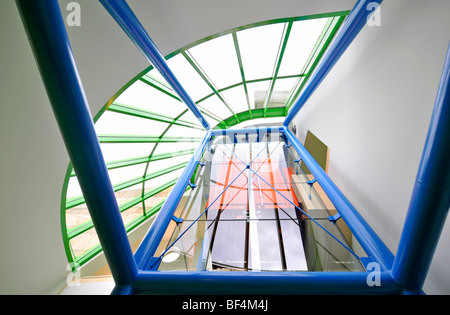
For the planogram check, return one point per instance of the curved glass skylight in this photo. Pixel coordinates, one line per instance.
(148, 135)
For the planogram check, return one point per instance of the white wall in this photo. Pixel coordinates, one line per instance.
(373, 111)
(33, 159)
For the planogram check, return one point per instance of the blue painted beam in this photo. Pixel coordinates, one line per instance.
(345, 36)
(366, 236)
(150, 243)
(264, 283)
(124, 16)
(46, 31)
(430, 200)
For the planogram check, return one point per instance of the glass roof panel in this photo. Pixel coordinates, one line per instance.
(257, 92)
(120, 124)
(259, 48)
(236, 96)
(192, 82)
(218, 59)
(216, 106)
(302, 39)
(120, 151)
(146, 97)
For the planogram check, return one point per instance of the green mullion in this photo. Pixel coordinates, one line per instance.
(296, 89)
(241, 68)
(163, 88)
(131, 182)
(137, 112)
(209, 114)
(144, 139)
(251, 81)
(144, 177)
(143, 159)
(130, 227)
(159, 86)
(257, 113)
(125, 206)
(278, 64)
(334, 28)
(207, 80)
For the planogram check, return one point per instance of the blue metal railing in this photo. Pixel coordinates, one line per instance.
(428, 209)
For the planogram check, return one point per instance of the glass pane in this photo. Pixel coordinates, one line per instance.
(281, 92)
(257, 93)
(191, 81)
(216, 106)
(121, 124)
(182, 131)
(259, 48)
(122, 174)
(303, 37)
(73, 188)
(121, 151)
(218, 59)
(236, 98)
(84, 242)
(146, 97)
(77, 216)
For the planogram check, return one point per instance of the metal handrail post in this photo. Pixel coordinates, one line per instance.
(48, 37)
(430, 200)
(124, 16)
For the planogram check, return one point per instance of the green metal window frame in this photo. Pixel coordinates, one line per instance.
(335, 20)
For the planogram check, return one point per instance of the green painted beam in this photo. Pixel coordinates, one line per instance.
(85, 257)
(144, 139)
(281, 51)
(256, 113)
(153, 82)
(194, 64)
(143, 159)
(80, 229)
(137, 112)
(241, 68)
(73, 202)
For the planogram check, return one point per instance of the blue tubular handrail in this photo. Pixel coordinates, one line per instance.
(430, 199)
(45, 27)
(368, 239)
(127, 20)
(347, 33)
(150, 243)
(262, 283)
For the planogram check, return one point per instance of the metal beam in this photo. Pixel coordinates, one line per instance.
(430, 199)
(46, 31)
(349, 30)
(265, 283)
(127, 20)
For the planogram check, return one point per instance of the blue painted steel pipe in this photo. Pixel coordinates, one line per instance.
(430, 200)
(346, 34)
(263, 283)
(127, 20)
(48, 37)
(248, 131)
(150, 243)
(368, 239)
